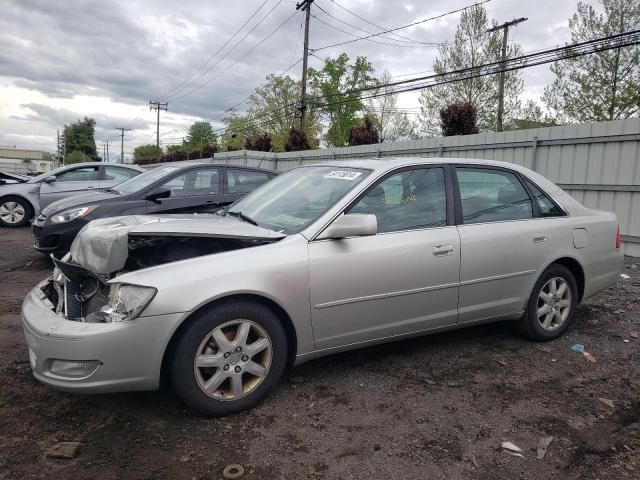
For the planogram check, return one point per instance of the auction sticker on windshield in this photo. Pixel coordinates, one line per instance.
(343, 175)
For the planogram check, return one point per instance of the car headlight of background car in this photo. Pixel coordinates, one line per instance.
(126, 302)
(72, 214)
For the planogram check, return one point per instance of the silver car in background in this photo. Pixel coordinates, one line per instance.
(22, 201)
(323, 258)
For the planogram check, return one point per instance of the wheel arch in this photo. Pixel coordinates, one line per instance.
(575, 267)
(34, 208)
(281, 313)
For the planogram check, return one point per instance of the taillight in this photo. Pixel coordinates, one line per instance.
(618, 238)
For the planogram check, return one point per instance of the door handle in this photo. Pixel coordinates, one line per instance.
(443, 250)
(539, 238)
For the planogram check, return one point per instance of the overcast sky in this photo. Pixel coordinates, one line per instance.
(63, 60)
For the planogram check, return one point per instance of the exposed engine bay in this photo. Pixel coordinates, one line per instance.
(77, 292)
(109, 247)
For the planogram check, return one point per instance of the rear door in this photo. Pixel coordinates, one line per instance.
(503, 243)
(196, 190)
(240, 181)
(76, 180)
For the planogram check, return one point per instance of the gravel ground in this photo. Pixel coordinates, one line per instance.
(433, 407)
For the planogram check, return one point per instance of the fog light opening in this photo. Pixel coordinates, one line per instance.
(73, 368)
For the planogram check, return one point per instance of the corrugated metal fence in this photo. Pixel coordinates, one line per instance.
(597, 163)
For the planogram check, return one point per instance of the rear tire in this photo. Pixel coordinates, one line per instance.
(228, 358)
(15, 212)
(552, 305)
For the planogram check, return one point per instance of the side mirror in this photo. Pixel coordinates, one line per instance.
(351, 225)
(50, 179)
(156, 195)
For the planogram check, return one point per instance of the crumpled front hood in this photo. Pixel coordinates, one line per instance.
(102, 245)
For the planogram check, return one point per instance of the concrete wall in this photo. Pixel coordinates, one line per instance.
(597, 163)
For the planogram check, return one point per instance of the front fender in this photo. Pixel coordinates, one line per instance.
(277, 271)
(27, 191)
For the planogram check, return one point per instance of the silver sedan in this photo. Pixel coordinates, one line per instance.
(322, 259)
(22, 200)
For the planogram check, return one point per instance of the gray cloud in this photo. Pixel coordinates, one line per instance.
(131, 52)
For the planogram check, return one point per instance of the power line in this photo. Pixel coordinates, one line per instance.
(179, 86)
(358, 37)
(374, 25)
(516, 63)
(208, 82)
(403, 26)
(350, 25)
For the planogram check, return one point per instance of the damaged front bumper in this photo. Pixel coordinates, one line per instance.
(94, 357)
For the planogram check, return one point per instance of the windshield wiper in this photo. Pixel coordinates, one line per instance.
(244, 217)
(111, 190)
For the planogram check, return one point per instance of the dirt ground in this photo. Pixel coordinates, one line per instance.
(433, 407)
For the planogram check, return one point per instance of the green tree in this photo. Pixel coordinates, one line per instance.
(145, 151)
(76, 157)
(238, 128)
(392, 124)
(272, 107)
(531, 116)
(201, 133)
(603, 85)
(334, 97)
(80, 137)
(472, 46)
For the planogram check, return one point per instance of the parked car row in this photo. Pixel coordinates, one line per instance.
(318, 260)
(179, 188)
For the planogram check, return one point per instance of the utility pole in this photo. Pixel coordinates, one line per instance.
(122, 130)
(58, 151)
(306, 6)
(107, 144)
(505, 35)
(156, 105)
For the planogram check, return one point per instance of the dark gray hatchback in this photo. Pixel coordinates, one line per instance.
(172, 188)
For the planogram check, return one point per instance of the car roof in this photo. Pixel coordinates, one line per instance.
(386, 163)
(196, 163)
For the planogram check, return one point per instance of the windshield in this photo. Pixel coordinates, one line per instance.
(143, 180)
(291, 202)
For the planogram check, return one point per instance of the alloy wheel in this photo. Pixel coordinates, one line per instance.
(233, 360)
(12, 212)
(554, 303)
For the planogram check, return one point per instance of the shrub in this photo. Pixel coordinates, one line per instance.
(459, 119)
(364, 134)
(260, 143)
(297, 140)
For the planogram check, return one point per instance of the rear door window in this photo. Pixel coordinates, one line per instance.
(490, 195)
(244, 181)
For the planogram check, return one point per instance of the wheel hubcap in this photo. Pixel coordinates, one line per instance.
(12, 212)
(233, 360)
(554, 303)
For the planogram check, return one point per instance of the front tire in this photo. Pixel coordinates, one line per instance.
(15, 212)
(552, 305)
(228, 358)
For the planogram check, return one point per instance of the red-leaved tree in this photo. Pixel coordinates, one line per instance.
(459, 119)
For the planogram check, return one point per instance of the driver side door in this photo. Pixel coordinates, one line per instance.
(73, 181)
(402, 280)
(197, 190)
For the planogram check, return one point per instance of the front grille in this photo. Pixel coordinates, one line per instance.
(36, 235)
(72, 300)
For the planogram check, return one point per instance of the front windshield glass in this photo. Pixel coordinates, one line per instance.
(292, 201)
(143, 180)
